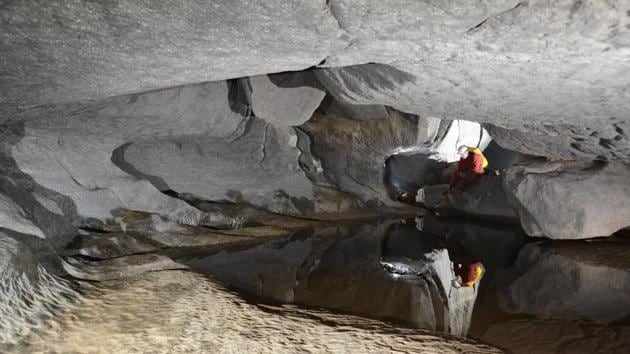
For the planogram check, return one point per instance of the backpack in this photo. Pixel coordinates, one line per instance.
(474, 150)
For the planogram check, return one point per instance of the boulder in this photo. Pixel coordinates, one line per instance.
(487, 199)
(558, 200)
(284, 99)
(569, 200)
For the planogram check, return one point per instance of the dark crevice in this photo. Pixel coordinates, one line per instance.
(477, 26)
(118, 159)
(93, 230)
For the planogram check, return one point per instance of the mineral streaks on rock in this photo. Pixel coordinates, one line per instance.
(365, 145)
(582, 281)
(59, 51)
(570, 200)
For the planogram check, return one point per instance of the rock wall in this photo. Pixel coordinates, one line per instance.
(201, 140)
(94, 122)
(353, 152)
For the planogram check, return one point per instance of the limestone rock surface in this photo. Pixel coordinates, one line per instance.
(285, 99)
(259, 166)
(59, 51)
(13, 217)
(73, 154)
(552, 72)
(564, 200)
(359, 170)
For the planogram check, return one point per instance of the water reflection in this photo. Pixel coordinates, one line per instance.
(391, 269)
(533, 297)
(566, 297)
(581, 281)
(407, 271)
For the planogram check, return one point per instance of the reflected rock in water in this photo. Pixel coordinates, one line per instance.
(553, 336)
(494, 244)
(343, 268)
(428, 262)
(574, 280)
